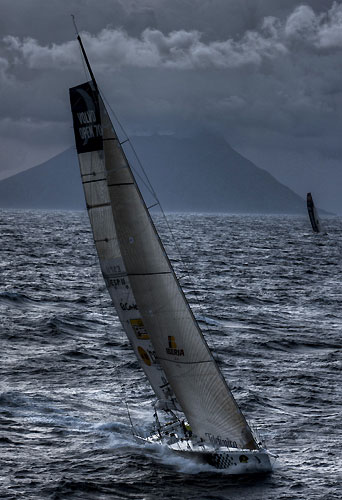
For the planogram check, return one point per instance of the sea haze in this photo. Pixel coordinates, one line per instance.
(267, 293)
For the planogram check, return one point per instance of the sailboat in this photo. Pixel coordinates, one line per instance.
(315, 222)
(195, 412)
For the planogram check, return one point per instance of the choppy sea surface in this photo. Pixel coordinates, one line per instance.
(267, 293)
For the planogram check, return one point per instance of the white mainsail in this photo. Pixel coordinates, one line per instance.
(139, 275)
(89, 143)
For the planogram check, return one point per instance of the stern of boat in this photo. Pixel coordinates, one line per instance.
(241, 461)
(233, 460)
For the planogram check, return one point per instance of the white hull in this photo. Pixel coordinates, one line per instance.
(232, 460)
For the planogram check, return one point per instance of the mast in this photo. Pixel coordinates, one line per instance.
(179, 347)
(85, 105)
(85, 55)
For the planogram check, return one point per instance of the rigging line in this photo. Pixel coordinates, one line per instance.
(74, 23)
(99, 288)
(116, 352)
(153, 193)
(102, 292)
(149, 187)
(106, 309)
(123, 131)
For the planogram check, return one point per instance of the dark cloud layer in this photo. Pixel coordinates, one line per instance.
(264, 73)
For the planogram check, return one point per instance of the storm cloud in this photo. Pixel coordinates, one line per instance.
(265, 74)
(303, 30)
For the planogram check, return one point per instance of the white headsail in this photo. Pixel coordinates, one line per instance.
(178, 342)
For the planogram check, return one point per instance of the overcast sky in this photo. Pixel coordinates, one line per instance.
(266, 74)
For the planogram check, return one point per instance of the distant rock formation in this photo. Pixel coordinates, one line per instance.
(198, 174)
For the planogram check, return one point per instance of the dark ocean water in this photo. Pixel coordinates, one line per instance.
(269, 297)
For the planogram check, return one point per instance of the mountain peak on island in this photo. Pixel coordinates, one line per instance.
(202, 173)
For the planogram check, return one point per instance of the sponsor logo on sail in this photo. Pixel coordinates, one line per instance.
(139, 329)
(86, 118)
(128, 307)
(144, 356)
(173, 349)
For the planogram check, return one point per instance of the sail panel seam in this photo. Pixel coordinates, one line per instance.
(186, 362)
(104, 239)
(89, 207)
(121, 184)
(94, 180)
(114, 276)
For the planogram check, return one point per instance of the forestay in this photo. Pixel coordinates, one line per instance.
(178, 343)
(89, 143)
